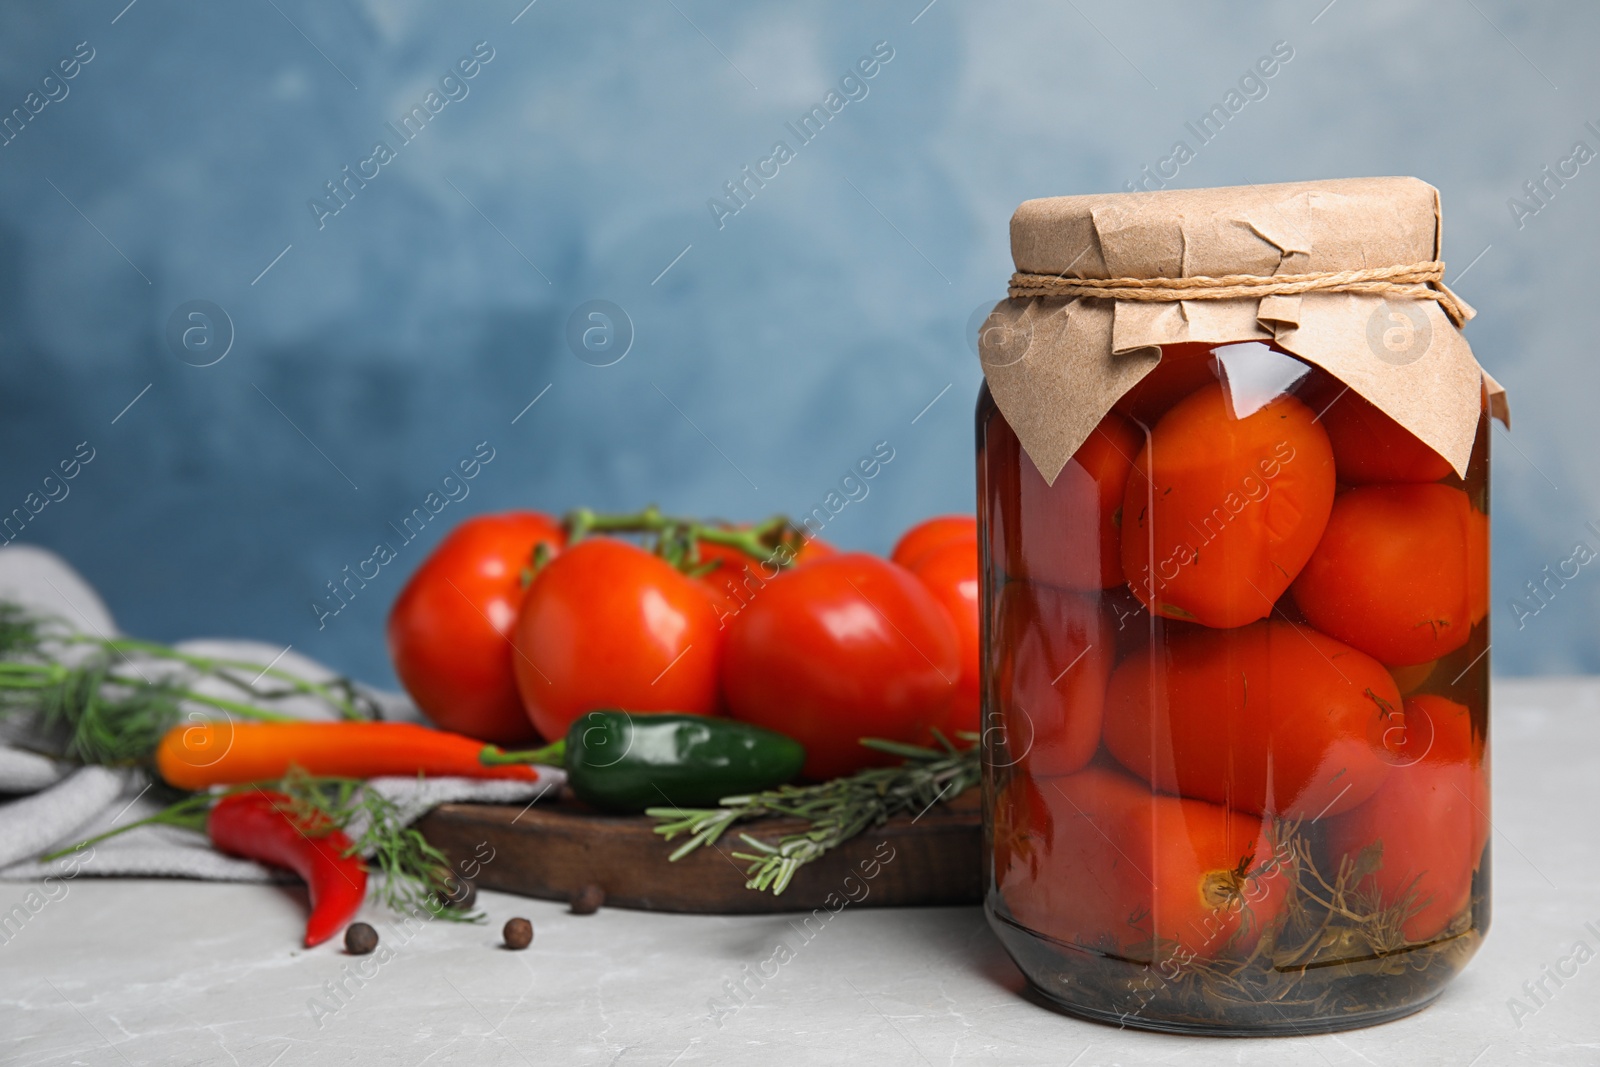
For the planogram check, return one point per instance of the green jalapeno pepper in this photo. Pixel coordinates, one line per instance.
(622, 762)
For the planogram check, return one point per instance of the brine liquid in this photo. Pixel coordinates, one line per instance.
(1236, 704)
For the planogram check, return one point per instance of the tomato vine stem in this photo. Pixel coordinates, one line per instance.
(678, 539)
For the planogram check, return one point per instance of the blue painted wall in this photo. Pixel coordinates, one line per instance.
(182, 158)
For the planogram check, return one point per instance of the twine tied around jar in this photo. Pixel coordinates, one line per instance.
(1415, 281)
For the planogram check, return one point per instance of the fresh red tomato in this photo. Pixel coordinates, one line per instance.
(1392, 573)
(1146, 877)
(933, 533)
(1183, 369)
(609, 625)
(1369, 446)
(847, 647)
(1272, 718)
(450, 628)
(1224, 507)
(813, 549)
(727, 556)
(1054, 652)
(1430, 819)
(950, 571)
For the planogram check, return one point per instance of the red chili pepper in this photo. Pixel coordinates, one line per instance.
(262, 826)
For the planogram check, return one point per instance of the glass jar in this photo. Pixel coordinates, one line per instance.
(1235, 698)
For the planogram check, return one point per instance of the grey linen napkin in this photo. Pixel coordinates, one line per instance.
(54, 804)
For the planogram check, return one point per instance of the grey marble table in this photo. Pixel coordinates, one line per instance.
(148, 972)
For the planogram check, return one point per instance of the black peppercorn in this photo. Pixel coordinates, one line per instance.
(360, 939)
(587, 900)
(518, 933)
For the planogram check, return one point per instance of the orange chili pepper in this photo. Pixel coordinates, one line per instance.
(201, 755)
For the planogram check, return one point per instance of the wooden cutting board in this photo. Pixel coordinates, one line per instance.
(553, 850)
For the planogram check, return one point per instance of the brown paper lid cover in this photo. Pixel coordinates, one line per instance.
(1056, 366)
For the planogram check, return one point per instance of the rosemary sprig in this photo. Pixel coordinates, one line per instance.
(837, 810)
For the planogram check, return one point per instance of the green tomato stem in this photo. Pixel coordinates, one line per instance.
(752, 542)
(552, 755)
(678, 539)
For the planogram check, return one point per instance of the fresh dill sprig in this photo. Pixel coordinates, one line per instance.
(87, 714)
(837, 810)
(94, 703)
(411, 873)
(187, 813)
